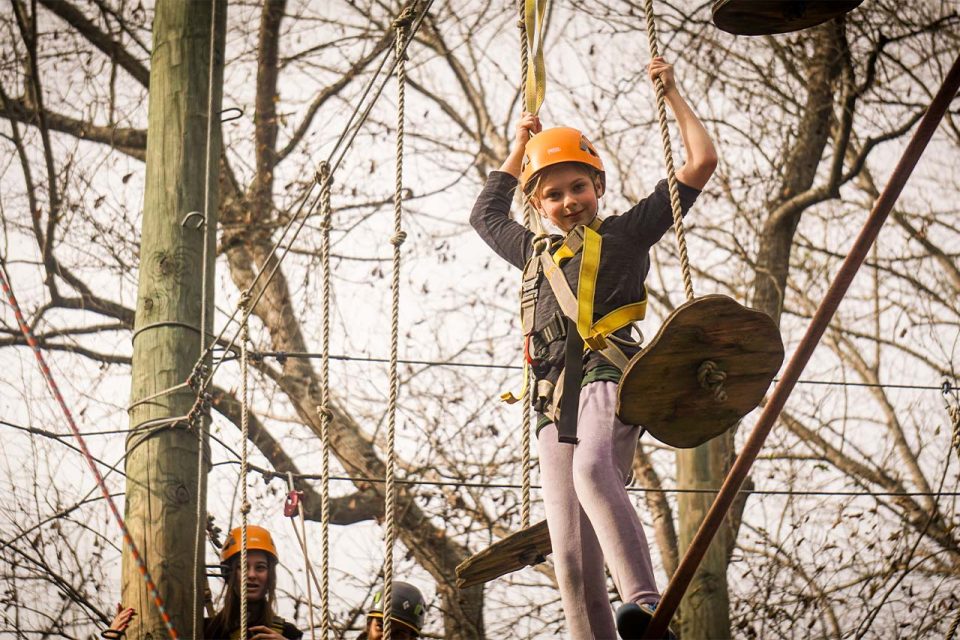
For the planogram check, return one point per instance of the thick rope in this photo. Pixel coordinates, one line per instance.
(325, 179)
(668, 156)
(399, 236)
(527, 377)
(245, 433)
(954, 411)
(55, 389)
(201, 423)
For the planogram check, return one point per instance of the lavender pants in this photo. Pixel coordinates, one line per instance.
(591, 517)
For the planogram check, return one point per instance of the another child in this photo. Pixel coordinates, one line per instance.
(407, 612)
(590, 516)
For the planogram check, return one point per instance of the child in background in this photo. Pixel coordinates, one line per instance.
(589, 513)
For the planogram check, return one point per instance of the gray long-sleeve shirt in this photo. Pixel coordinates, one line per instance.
(624, 259)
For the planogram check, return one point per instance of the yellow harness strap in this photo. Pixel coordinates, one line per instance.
(594, 333)
(535, 12)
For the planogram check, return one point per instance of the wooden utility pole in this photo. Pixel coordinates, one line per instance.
(166, 487)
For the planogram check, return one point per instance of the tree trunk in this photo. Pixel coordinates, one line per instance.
(165, 488)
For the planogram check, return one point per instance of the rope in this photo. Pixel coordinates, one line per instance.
(711, 378)
(55, 390)
(245, 432)
(399, 236)
(325, 179)
(302, 539)
(201, 423)
(954, 411)
(668, 156)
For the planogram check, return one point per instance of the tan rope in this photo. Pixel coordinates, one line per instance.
(401, 24)
(668, 156)
(954, 411)
(325, 179)
(245, 432)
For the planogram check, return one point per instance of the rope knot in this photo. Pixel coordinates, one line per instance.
(245, 508)
(324, 412)
(245, 296)
(398, 238)
(323, 176)
(405, 19)
(711, 378)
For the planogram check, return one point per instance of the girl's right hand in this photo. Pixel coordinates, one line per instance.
(527, 125)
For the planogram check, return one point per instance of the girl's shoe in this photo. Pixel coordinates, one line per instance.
(633, 618)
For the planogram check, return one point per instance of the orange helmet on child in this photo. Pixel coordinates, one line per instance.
(556, 145)
(258, 539)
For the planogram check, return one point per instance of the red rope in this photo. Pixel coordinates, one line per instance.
(141, 565)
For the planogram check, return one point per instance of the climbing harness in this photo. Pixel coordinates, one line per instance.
(55, 390)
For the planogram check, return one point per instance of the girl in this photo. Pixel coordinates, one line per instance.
(262, 622)
(588, 511)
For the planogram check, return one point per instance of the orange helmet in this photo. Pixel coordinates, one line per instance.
(553, 146)
(258, 538)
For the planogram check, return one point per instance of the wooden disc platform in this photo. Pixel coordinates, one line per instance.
(660, 389)
(524, 548)
(767, 17)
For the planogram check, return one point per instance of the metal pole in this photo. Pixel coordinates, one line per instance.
(821, 319)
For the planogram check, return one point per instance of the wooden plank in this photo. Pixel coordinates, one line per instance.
(660, 390)
(765, 17)
(524, 548)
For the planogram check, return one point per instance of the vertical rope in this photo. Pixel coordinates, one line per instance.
(954, 411)
(668, 156)
(397, 240)
(201, 423)
(245, 431)
(325, 179)
(527, 378)
(55, 390)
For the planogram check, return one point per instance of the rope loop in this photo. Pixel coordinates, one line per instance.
(325, 413)
(711, 378)
(398, 238)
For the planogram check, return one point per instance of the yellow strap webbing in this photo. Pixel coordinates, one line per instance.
(536, 80)
(594, 333)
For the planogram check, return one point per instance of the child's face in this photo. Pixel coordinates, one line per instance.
(567, 196)
(258, 574)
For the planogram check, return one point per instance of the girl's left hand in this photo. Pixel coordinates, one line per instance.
(659, 68)
(263, 633)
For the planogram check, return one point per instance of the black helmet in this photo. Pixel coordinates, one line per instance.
(406, 607)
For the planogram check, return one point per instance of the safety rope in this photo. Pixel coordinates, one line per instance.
(55, 390)
(201, 423)
(400, 24)
(954, 411)
(325, 179)
(527, 374)
(668, 156)
(245, 432)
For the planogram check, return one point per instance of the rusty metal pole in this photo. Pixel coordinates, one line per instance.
(821, 319)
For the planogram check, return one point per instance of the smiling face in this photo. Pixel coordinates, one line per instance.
(567, 195)
(258, 574)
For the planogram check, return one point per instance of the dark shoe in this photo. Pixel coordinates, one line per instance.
(633, 619)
